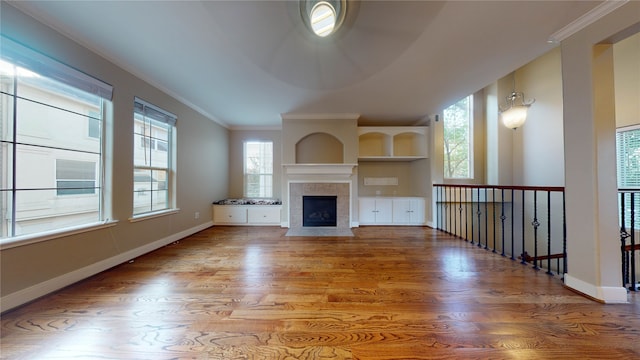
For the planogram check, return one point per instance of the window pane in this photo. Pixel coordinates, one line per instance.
(160, 200)
(258, 169)
(45, 125)
(457, 121)
(35, 207)
(57, 150)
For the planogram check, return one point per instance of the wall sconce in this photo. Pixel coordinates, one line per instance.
(514, 113)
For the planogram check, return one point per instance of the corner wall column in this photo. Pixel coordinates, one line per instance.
(590, 172)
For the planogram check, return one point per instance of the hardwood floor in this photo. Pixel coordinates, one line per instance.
(387, 293)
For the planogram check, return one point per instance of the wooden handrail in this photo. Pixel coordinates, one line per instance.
(504, 187)
(632, 247)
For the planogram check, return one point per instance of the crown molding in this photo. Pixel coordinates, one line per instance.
(585, 20)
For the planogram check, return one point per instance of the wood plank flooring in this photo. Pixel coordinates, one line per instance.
(387, 293)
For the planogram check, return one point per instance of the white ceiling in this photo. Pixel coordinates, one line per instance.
(244, 63)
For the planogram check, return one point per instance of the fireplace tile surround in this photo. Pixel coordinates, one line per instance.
(298, 190)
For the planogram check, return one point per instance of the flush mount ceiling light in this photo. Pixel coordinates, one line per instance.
(514, 112)
(323, 17)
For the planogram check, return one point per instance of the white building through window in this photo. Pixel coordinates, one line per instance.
(258, 169)
(153, 164)
(458, 145)
(51, 144)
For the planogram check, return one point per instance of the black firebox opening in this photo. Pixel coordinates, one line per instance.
(319, 210)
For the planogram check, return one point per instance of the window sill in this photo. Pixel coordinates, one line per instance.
(153, 215)
(54, 234)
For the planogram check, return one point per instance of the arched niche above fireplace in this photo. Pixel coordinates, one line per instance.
(319, 148)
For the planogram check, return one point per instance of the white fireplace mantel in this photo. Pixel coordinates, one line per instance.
(319, 169)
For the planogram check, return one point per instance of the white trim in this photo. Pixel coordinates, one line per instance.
(585, 20)
(33, 292)
(9, 243)
(147, 216)
(608, 294)
(320, 116)
(319, 169)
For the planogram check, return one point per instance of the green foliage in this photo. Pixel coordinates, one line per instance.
(457, 139)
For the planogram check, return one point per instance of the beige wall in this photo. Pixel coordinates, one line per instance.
(202, 167)
(626, 62)
(539, 144)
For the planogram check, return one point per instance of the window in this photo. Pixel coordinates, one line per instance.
(458, 145)
(628, 156)
(628, 166)
(258, 169)
(153, 158)
(75, 177)
(50, 170)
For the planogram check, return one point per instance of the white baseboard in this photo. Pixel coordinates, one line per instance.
(33, 292)
(606, 294)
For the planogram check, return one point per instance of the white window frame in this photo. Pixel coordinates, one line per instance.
(266, 183)
(77, 90)
(153, 120)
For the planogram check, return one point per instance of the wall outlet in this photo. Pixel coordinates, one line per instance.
(197, 215)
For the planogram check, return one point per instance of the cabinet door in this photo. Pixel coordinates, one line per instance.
(384, 211)
(229, 214)
(263, 215)
(402, 211)
(367, 208)
(417, 211)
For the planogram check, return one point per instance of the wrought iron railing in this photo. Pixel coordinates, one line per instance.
(525, 223)
(629, 205)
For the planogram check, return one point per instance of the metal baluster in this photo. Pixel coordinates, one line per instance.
(471, 211)
(493, 206)
(524, 261)
(549, 233)
(486, 219)
(623, 241)
(438, 207)
(460, 208)
(535, 224)
(633, 241)
(449, 207)
(466, 217)
(455, 218)
(502, 217)
(479, 227)
(564, 236)
(513, 223)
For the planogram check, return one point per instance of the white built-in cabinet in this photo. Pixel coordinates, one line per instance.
(408, 211)
(375, 210)
(391, 211)
(246, 214)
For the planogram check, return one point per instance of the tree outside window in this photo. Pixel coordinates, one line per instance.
(458, 155)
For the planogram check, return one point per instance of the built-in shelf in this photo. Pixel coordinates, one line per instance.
(392, 143)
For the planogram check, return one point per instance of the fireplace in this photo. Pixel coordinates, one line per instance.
(337, 191)
(319, 211)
